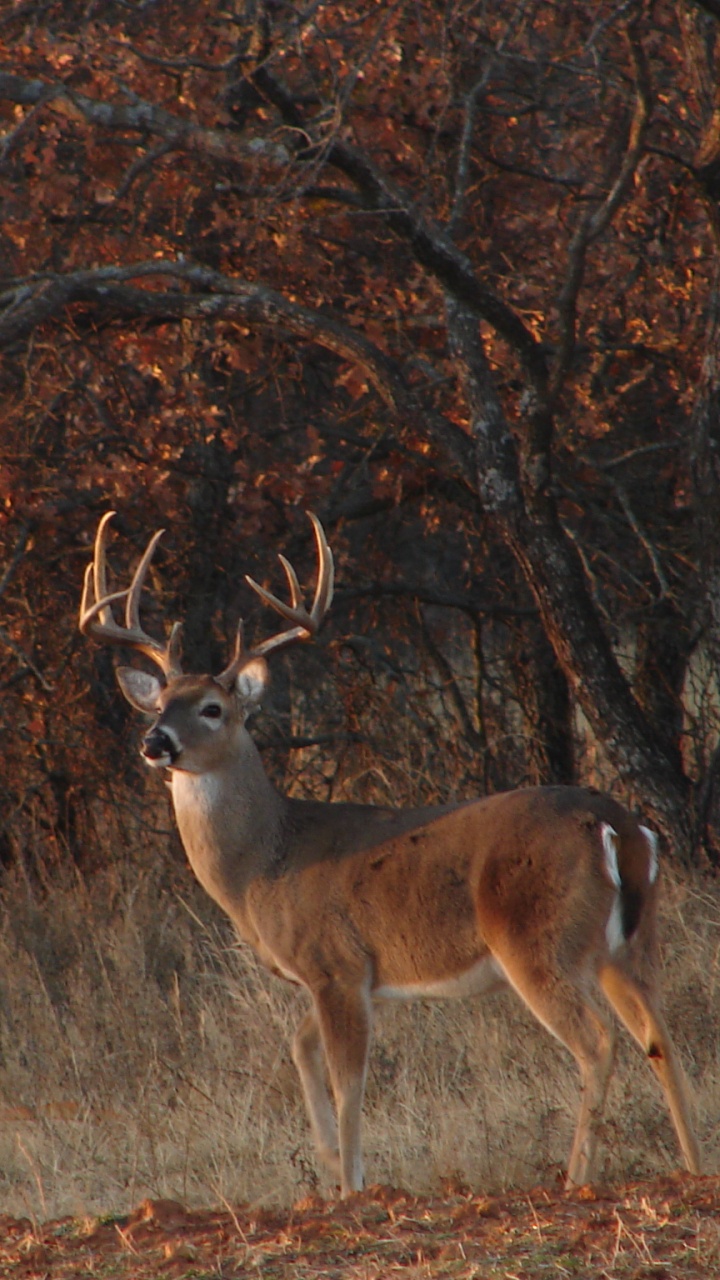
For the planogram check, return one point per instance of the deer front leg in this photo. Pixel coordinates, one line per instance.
(309, 1058)
(344, 1017)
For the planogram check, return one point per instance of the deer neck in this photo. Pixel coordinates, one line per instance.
(230, 820)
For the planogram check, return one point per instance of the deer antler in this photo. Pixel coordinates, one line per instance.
(96, 615)
(305, 624)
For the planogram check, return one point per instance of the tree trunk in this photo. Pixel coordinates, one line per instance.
(526, 518)
(546, 706)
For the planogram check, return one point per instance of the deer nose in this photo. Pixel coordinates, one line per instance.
(157, 744)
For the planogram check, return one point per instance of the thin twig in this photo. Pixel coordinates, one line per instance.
(138, 166)
(594, 222)
(18, 552)
(451, 687)
(175, 64)
(472, 99)
(642, 537)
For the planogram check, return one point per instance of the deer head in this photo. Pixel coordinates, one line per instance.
(198, 719)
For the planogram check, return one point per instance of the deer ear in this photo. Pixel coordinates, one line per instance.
(251, 682)
(140, 689)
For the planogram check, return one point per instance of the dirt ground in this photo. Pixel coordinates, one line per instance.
(666, 1229)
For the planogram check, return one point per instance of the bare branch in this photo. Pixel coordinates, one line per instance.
(471, 102)
(33, 301)
(555, 575)
(595, 221)
(643, 538)
(18, 552)
(660, 446)
(451, 687)
(28, 302)
(22, 658)
(139, 166)
(176, 64)
(14, 137)
(471, 602)
(432, 248)
(137, 115)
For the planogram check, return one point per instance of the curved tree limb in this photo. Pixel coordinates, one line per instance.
(214, 294)
(27, 303)
(136, 115)
(431, 246)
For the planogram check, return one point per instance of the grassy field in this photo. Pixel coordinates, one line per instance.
(143, 1054)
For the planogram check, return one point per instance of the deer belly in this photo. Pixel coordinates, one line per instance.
(483, 976)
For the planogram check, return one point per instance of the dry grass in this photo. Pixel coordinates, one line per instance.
(142, 1054)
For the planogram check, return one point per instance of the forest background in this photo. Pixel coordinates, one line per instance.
(446, 275)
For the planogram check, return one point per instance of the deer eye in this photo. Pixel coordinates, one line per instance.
(212, 711)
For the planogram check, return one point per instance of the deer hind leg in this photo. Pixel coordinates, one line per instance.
(578, 1023)
(636, 1006)
(569, 1012)
(594, 1054)
(344, 1018)
(309, 1058)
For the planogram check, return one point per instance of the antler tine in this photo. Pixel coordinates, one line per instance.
(326, 576)
(295, 588)
(99, 561)
(95, 597)
(305, 624)
(172, 649)
(132, 608)
(96, 616)
(90, 612)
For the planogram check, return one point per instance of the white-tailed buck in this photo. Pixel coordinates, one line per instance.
(551, 890)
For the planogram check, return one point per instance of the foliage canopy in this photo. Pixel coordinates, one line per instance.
(445, 274)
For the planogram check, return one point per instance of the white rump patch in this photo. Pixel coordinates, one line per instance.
(609, 843)
(614, 927)
(653, 844)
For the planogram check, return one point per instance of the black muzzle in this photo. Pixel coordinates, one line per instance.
(158, 745)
